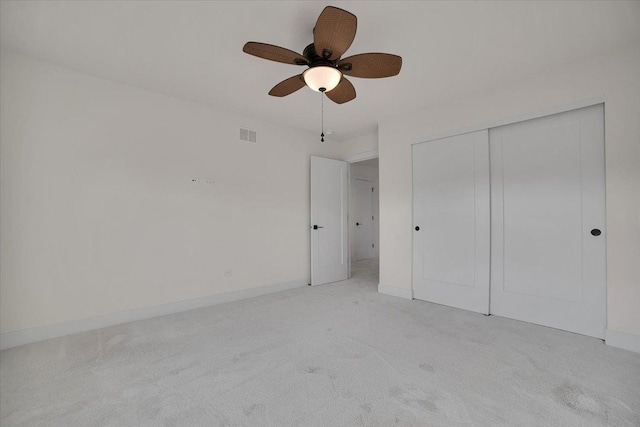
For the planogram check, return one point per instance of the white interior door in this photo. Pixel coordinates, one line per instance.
(547, 195)
(329, 241)
(451, 237)
(364, 239)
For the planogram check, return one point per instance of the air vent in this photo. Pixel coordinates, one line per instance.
(248, 135)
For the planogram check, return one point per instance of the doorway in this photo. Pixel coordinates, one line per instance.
(363, 218)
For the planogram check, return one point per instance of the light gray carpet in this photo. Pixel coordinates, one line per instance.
(333, 355)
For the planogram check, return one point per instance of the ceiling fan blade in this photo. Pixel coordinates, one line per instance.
(342, 93)
(288, 86)
(274, 53)
(371, 65)
(334, 32)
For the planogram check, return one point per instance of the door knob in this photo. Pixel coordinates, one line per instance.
(417, 228)
(596, 232)
(357, 223)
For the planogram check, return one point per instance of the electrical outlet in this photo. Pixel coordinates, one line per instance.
(228, 272)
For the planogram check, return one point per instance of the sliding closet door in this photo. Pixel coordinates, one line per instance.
(451, 237)
(548, 247)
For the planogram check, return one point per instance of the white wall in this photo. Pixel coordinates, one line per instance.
(616, 78)
(359, 148)
(98, 211)
(368, 172)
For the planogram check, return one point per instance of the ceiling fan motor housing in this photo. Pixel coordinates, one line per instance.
(316, 60)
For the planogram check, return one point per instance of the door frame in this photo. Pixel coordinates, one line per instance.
(590, 102)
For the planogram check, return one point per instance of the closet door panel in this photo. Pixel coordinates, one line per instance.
(547, 194)
(451, 221)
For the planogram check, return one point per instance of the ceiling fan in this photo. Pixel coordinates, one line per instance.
(333, 34)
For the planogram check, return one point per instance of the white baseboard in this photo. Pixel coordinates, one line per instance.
(624, 340)
(395, 292)
(42, 333)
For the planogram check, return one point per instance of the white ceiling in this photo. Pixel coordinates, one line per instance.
(193, 50)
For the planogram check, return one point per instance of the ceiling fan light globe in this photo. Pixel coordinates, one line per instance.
(322, 77)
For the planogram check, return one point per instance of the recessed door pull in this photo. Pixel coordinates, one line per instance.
(596, 232)
(417, 228)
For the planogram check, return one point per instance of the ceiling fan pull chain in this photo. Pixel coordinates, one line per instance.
(322, 119)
